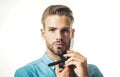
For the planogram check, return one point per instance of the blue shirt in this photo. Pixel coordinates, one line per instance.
(40, 68)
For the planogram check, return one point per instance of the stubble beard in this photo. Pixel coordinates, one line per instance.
(58, 51)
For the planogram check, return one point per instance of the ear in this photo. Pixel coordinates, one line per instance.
(42, 33)
(72, 36)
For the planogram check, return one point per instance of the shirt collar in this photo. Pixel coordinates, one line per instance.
(48, 60)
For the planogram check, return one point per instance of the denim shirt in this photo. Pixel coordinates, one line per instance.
(40, 68)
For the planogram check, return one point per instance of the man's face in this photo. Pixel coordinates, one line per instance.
(58, 33)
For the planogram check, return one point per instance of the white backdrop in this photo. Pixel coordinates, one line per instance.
(97, 33)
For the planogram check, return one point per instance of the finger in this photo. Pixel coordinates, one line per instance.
(75, 58)
(57, 68)
(75, 62)
(69, 51)
(70, 59)
(66, 69)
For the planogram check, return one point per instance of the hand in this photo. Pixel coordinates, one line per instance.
(63, 72)
(78, 62)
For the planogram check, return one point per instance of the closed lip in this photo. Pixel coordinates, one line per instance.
(59, 44)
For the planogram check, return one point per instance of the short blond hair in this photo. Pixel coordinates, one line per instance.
(57, 10)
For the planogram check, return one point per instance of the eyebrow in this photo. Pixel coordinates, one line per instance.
(62, 28)
(66, 28)
(51, 27)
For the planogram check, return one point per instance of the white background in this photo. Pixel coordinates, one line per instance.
(97, 36)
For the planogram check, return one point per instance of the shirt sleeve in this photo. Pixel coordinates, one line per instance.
(94, 71)
(21, 73)
(97, 72)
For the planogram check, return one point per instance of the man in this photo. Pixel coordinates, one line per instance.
(57, 32)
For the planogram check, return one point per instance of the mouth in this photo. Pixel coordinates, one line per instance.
(59, 45)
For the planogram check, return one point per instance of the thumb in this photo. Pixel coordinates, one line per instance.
(58, 70)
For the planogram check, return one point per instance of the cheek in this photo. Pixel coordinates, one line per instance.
(49, 38)
(67, 39)
(67, 36)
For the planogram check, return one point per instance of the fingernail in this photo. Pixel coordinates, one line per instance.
(68, 51)
(64, 55)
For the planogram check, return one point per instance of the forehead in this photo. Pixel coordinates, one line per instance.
(57, 21)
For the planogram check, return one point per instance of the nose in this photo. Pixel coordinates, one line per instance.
(58, 35)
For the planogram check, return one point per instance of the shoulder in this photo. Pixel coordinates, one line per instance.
(92, 66)
(28, 69)
(94, 71)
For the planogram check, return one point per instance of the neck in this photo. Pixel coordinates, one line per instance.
(53, 56)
